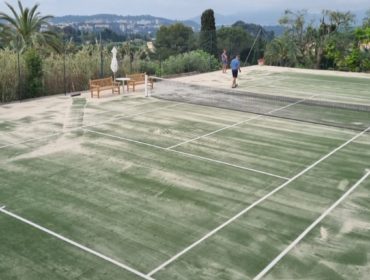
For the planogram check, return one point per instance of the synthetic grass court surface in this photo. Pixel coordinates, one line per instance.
(302, 83)
(140, 180)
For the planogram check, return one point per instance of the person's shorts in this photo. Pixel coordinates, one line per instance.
(224, 62)
(235, 73)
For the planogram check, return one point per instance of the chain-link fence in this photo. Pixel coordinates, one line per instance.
(71, 69)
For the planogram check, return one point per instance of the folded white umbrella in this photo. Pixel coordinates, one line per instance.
(114, 63)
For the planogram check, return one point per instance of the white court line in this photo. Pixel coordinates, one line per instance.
(254, 204)
(239, 123)
(78, 245)
(307, 230)
(187, 154)
(31, 140)
(85, 116)
(90, 125)
(108, 112)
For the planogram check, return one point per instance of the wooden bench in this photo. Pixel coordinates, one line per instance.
(137, 79)
(101, 84)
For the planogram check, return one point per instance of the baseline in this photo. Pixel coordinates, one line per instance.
(186, 154)
(85, 126)
(78, 245)
(257, 202)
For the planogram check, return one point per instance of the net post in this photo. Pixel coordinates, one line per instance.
(146, 86)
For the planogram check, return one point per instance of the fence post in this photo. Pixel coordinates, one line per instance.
(64, 70)
(146, 86)
(19, 71)
(101, 58)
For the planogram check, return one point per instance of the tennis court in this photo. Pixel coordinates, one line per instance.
(190, 183)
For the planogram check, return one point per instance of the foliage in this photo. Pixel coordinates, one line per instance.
(282, 51)
(331, 44)
(208, 37)
(25, 28)
(366, 20)
(198, 61)
(9, 82)
(235, 40)
(254, 29)
(34, 74)
(174, 39)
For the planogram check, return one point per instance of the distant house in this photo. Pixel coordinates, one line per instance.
(86, 27)
(365, 47)
(150, 47)
(122, 27)
(44, 27)
(102, 26)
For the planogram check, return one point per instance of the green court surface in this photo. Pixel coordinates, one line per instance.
(347, 89)
(141, 188)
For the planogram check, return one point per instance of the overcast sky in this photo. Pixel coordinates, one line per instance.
(184, 9)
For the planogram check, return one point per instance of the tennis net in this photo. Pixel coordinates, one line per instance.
(311, 110)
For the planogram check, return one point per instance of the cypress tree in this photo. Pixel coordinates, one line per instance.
(207, 38)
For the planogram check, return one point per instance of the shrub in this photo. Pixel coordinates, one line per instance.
(195, 61)
(34, 74)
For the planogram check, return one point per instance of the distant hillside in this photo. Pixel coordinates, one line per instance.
(263, 18)
(111, 19)
(277, 29)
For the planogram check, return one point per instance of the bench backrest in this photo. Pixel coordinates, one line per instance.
(137, 77)
(102, 82)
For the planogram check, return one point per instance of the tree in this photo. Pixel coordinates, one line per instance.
(366, 20)
(282, 51)
(295, 26)
(255, 29)
(34, 73)
(315, 45)
(174, 39)
(235, 39)
(26, 27)
(331, 25)
(258, 34)
(208, 39)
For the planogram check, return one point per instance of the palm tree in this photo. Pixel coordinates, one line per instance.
(24, 29)
(282, 51)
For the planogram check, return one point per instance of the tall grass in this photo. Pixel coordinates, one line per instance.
(9, 82)
(71, 71)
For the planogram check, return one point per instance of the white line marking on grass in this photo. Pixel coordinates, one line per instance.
(82, 247)
(117, 115)
(31, 140)
(129, 116)
(126, 139)
(90, 125)
(254, 204)
(187, 154)
(307, 230)
(239, 123)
